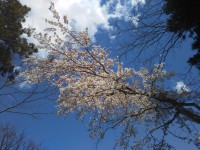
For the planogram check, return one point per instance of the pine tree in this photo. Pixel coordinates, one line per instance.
(184, 18)
(12, 15)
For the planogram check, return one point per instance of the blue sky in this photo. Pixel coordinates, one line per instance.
(66, 133)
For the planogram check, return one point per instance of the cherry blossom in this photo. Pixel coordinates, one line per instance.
(92, 83)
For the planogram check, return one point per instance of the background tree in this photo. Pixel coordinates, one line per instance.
(183, 19)
(150, 35)
(162, 26)
(21, 98)
(133, 101)
(11, 139)
(12, 15)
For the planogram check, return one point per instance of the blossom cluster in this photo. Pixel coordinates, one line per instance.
(87, 78)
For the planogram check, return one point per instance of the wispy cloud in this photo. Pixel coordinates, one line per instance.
(22, 81)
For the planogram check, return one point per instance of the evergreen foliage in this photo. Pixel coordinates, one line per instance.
(183, 18)
(12, 15)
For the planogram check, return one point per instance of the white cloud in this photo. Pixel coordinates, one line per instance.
(42, 53)
(23, 82)
(24, 85)
(112, 37)
(136, 2)
(84, 13)
(122, 9)
(181, 87)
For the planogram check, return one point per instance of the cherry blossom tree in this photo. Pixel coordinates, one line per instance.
(94, 85)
